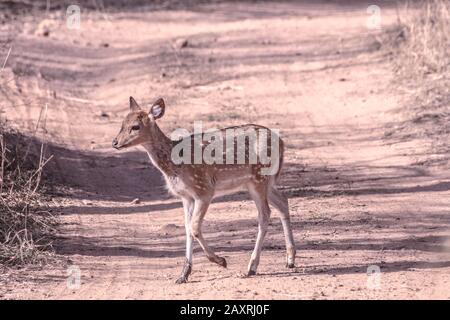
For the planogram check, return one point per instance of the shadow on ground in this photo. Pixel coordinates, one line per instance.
(237, 241)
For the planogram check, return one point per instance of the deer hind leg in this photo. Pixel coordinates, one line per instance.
(200, 208)
(188, 206)
(258, 192)
(280, 202)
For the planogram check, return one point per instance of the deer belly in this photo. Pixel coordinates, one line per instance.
(232, 182)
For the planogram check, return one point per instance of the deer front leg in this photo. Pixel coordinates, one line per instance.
(188, 206)
(200, 208)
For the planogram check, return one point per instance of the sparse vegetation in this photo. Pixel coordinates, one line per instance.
(422, 64)
(25, 221)
(426, 49)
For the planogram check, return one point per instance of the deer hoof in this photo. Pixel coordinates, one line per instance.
(221, 262)
(251, 273)
(290, 265)
(187, 269)
(181, 280)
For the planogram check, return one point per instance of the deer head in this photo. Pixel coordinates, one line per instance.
(138, 125)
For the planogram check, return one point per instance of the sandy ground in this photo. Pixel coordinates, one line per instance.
(316, 72)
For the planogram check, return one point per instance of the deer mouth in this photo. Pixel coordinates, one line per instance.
(118, 146)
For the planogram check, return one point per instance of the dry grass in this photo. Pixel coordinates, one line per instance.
(426, 49)
(26, 223)
(422, 65)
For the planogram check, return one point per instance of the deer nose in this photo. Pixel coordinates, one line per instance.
(115, 143)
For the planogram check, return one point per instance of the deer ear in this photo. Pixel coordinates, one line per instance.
(157, 109)
(133, 105)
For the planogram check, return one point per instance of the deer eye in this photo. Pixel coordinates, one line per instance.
(135, 127)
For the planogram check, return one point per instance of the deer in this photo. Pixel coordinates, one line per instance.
(197, 184)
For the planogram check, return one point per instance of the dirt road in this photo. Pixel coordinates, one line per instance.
(357, 197)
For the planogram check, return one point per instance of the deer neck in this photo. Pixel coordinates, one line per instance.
(159, 149)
